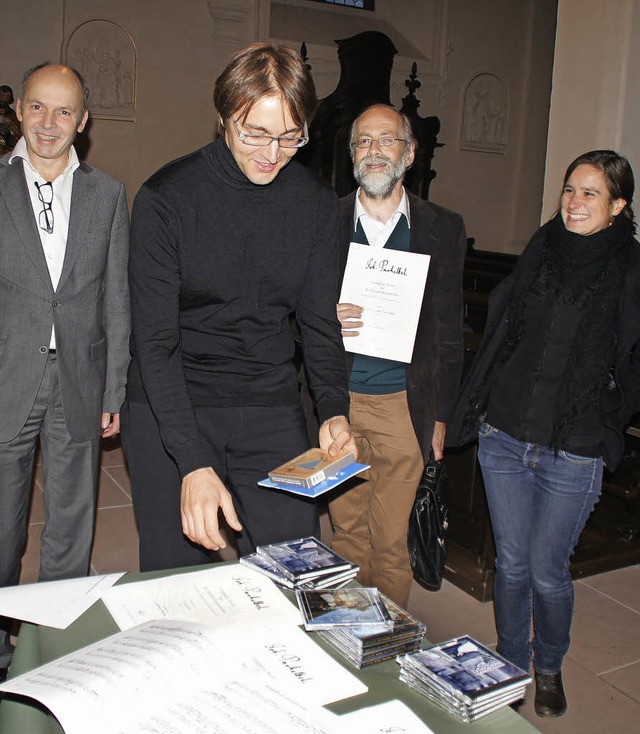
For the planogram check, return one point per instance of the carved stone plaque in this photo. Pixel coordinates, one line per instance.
(104, 53)
(485, 115)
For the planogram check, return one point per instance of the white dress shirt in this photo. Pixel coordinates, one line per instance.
(54, 245)
(379, 232)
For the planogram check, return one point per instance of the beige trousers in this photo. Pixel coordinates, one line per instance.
(370, 519)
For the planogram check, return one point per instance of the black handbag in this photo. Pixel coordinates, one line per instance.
(428, 525)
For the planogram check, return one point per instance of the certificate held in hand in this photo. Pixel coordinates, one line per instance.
(389, 286)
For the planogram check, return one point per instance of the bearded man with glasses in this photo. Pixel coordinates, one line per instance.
(398, 411)
(64, 326)
(228, 243)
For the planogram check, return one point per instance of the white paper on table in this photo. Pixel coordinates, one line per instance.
(392, 716)
(288, 656)
(138, 677)
(247, 707)
(389, 285)
(228, 595)
(54, 603)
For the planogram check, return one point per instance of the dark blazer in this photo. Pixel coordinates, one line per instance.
(619, 400)
(433, 374)
(90, 307)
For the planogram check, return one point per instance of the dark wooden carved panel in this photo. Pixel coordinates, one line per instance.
(418, 178)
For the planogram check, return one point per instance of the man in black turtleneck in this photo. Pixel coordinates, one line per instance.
(228, 243)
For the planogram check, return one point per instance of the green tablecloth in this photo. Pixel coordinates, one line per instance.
(39, 645)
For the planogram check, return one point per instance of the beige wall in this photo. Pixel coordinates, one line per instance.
(500, 194)
(181, 47)
(596, 86)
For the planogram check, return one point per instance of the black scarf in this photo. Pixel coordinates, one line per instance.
(587, 271)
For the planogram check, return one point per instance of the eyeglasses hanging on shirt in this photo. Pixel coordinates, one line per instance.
(45, 194)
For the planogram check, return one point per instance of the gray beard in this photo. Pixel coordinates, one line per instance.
(379, 184)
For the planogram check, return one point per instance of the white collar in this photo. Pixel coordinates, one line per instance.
(20, 151)
(402, 208)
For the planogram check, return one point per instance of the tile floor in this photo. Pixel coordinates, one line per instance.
(602, 670)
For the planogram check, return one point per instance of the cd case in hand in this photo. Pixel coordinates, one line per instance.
(313, 473)
(311, 468)
(332, 481)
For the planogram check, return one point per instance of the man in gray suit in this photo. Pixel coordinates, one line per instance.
(64, 327)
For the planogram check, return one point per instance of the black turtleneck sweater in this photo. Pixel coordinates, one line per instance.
(217, 267)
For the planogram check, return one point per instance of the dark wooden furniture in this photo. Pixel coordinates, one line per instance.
(612, 536)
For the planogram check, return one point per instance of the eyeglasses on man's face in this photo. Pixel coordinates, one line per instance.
(45, 217)
(261, 141)
(385, 142)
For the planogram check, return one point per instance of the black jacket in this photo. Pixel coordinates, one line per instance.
(619, 400)
(433, 375)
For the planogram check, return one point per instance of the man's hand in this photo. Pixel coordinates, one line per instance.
(110, 424)
(203, 494)
(335, 434)
(349, 315)
(437, 442)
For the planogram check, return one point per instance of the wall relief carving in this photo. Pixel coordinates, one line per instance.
(485, 115)
(105, 54)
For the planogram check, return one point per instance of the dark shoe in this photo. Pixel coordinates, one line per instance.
(550, 700)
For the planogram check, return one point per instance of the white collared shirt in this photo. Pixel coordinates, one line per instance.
(54, 245)
(379, 232)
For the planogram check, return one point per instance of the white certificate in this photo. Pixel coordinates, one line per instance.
(389, 286)
(230, 595)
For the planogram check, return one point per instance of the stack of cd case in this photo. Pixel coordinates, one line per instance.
(464, 677)
(327, 609)
(304, 563)
(364, 645)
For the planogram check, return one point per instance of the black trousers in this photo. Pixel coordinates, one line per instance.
(246, 443)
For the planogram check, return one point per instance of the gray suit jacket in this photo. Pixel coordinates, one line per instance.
(89, 308)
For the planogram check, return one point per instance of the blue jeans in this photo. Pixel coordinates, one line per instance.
(539, 504)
